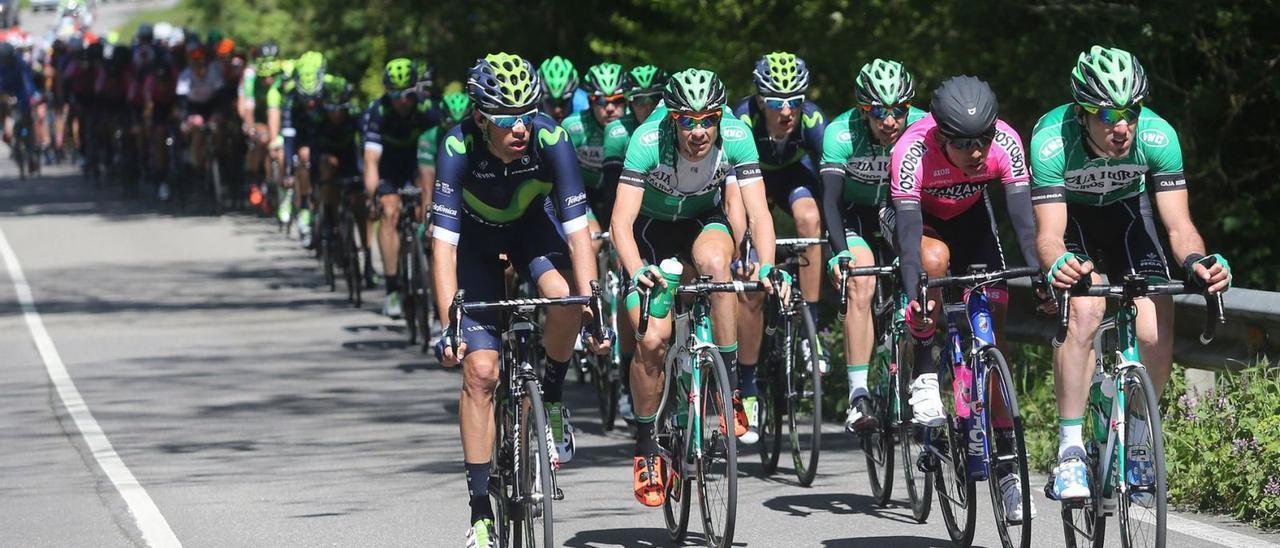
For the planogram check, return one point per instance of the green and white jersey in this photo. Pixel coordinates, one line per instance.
(587, 136)
(850, 150)
(677, 189)
(428, 144)
(1063, 169)
(616, 136)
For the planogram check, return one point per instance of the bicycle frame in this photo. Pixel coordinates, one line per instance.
(695, 324)
(517, 341)
(1127, 357)
(974, 313)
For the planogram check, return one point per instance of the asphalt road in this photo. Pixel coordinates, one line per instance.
(254, 408)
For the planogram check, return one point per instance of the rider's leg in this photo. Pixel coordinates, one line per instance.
(389, 239)
(859, 332)
(712, 252)
(475, 416)
(647, 375)
(809, 225)
(926, 400)
(750, 317)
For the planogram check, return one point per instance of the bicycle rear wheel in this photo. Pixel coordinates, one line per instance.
(422, 296)
(717, 463)
(606, 384)
(533, 465)
(1142, 510)
(1008, 449)
(804, 395)
(877, 445)
(672, 441)
(918, 482)
(408, 297)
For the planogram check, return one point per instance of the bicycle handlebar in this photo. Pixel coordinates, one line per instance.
(878, 271)
(984, 277)
(702, 287)
(460, 306)
(1136, 286)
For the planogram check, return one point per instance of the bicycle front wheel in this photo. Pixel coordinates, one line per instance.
(1003, 429)
(716, 452)
(672, 442)
(533, 469)
(956, 491)
(804, 394)
(771, 405)
(1142, 502)
(919, 483)
(422, 294)
(877, 445)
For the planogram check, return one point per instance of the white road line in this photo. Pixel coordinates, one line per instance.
(155, 530)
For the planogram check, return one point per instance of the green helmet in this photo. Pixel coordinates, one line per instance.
(337, 90)
(646, 80)
(781, 73)
(309, 72)
(503, 80)
(1109, 78)
(559, 78)
(884, 83)
(456, 106)
(694, 90)
(399, 75)
(267, 68)
(603, 79)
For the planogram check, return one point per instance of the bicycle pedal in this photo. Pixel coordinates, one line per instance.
(559, 494)
(926, 463)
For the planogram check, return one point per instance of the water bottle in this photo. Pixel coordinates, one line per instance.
(671, 269)
(961, 379)
(1101, 393)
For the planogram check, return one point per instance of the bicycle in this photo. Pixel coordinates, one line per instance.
(1118, 362)
(24, 150)
(696, 415)
(330, 247)
(793, 387)
(961, 453)
(524, 484)
(605, 372)
(414, 273)
(889, 387)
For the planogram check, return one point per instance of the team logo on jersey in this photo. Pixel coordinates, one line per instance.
(618, 131)
(649, 138)
(845, 136)
(810, 121)
(958, 191)
(1050, 148)
(734, 133)
(1154, 137)
(454, 146)
(1103, 178)
(548, 138)
(1017, 163)
(910, 162)
(575, 199)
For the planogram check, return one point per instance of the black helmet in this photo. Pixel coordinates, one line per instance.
(146, 32)
(268, 50)
(7, 53)
(964, 106)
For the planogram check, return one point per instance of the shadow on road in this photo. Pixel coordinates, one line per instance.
(895, 542)
(636, 537)
(834, 503)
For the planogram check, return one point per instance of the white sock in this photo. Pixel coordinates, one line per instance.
(857, 380)
(1070, 438)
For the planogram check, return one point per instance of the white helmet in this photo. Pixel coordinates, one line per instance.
(162, 31)
(176, 37)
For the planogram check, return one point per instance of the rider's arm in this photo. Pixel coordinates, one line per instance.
(290, 133)
(446, 206)
(373, 151)
(1175, 213)
(1017, 190)
(615, 150)
(905, 179)
(274, 115)
(427, 161)
(571, 206)
(837, 147)
(244, 99)
(741, 150)
(640, 160)
(1169, 184)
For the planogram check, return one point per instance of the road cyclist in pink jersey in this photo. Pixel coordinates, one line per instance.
(939, 177)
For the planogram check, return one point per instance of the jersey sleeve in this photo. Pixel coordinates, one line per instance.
(1048, 161)
(246, 85)
(570, 195)
(446, 200)
(837, 146)
(615, 142)
(642, 154)
(275, 99)
(741, 151)
(1013, 168)
(427, 147)
(1163, 152)
(373, 128)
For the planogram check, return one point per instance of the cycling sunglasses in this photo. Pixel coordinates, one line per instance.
(1113, 116)
(881, 112)
(650, 99)
(779, 103)
(606, 100)
(970, 143)
(508, 121)
(411, 93)
(689, 122)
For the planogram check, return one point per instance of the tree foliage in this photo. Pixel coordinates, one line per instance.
(1213, 66)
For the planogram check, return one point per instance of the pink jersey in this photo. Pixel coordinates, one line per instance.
(919, 161)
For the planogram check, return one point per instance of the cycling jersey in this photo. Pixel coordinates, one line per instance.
(855, 177)
(675, 188)
(261, 95)
(614, 149)
(396, 137)
(472, 183)
(112, 87)
(587, 136)
(16, 82)
(923, 179)
(200, 89)
(804, 142)
(1065, 169)
(301, 125)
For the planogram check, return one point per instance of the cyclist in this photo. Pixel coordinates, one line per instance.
(259, 98)
(457, 107)
(508, 183)
(855, 186)
(787, 130)
(643, 85)
(559, 82)
(304, 113)
(938, 177)
(159, 97)
(17, 85)
(334, 151)
(677, 187)
(393, 124)
(1093, 161)
(604, 83)
(197, 90)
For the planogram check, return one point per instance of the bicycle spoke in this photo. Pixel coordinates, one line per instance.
(1142, 510)
(717, 463)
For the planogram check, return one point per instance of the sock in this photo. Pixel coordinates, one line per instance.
(1070, 440)
(393, 283)
(553, 381)
(626, 373)
(478, 490)
(924, 358)
(813, 313)
(747, 379)
(729, 354)
(1004, 446)
(857, 379)
(646, 444)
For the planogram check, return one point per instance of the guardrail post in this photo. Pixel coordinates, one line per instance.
(1199, 381)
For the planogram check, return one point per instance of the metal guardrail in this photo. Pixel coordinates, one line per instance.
(1252, 330)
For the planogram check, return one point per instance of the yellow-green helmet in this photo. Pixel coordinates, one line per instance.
(781, 74)
(1109, 78)
(399, 75)
(559, 78)
(309, 73)
(503, 80)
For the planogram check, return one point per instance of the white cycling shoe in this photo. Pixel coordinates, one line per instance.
(1011, 491)
(926, 402)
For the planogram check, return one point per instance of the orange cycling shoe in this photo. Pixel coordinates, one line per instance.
(255, 195)
(649, 481)
(740, 425)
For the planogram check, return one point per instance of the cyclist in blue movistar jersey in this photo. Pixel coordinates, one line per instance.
(508, 183)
